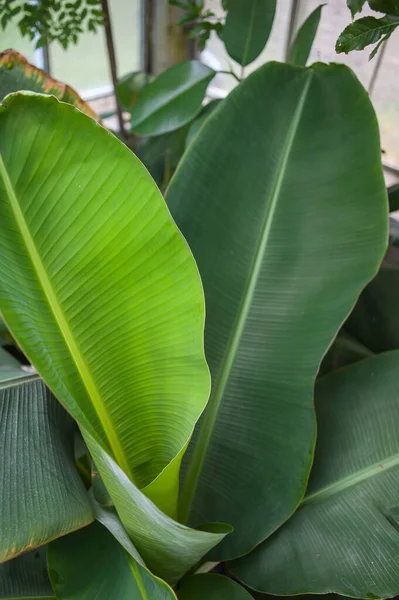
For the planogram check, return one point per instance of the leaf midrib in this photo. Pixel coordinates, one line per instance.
(353, 479)
(210, 416)
(63, 324)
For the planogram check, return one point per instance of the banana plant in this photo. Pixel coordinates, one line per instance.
(102, 293)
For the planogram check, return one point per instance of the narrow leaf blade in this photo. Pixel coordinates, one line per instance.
(302, 45)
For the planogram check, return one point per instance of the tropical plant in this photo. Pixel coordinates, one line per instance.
(135, 495)
(370, 29)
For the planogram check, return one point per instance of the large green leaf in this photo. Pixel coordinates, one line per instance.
(17, 74)
(303, 42)
(42, 496)
(91, 564)
(25, 577)
(200, 120)
(285, 235)
(99, 287)
(169, 548)
(211, 587)
(344, 538)
(247, 29)
(173, 99)
(374, 321)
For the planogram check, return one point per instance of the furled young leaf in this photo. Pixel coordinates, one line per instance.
(169, 548)
(344, 538)
(91, 564)
(393, 197)
(128, 88)
(366, 31)
(173, 99)
(211, 587)
(285, 234)
(303, 42)
(42, 495)
(17, 74)
(200, 120)
(374, 321)
(98, 285)
(26, 578)
(247, 29)
(355, 6)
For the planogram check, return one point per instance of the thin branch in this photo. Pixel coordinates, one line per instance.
(230, 73)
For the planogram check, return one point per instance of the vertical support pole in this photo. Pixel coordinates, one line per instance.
(112, 63)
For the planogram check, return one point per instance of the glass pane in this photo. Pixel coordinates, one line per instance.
(11, 38)
(85, 66)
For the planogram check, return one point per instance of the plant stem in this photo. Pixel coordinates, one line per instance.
(112, 64)
(230, 73)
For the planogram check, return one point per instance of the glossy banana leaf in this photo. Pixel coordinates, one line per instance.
(91, 564)
(99, 287)
(303, 42)
(42, 496)
(285, 235)
(211, 586)
(247, 29)
(344, 538)
(26, 578)
(172, 100)
(17, 74)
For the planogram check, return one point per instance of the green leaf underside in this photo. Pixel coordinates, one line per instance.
(272, 247)
(344, 537)
(42, 494)
(26, 577)
(173, 99)
(17, 74)
(169, 548)
(247, 29)
(91, 564)
(95, 260)
(211, 587)
(365, 31)
(302, 45)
